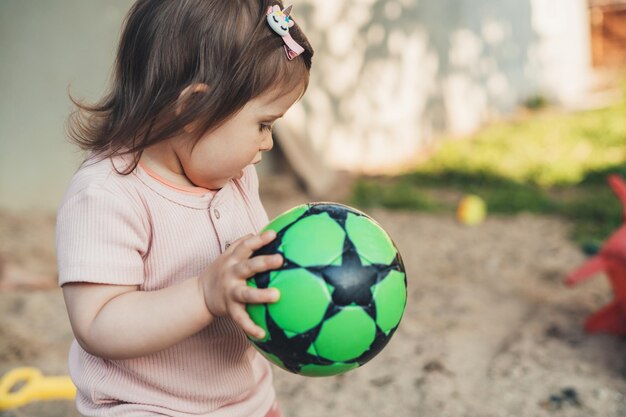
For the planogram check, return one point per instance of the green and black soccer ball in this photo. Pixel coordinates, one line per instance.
(342, 286)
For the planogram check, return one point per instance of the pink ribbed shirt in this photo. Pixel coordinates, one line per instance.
(136, 230)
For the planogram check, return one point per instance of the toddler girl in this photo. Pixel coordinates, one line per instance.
(156, 232)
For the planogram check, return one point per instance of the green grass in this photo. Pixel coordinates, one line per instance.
(549, 163)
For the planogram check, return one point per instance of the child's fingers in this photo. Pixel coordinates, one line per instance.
(262, 263)
(240, 316)
(238, 242)
(247, 245)
(250, 295)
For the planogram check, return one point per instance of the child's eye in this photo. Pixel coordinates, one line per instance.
(265, 128)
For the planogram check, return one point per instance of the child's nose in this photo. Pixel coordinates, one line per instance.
(268, 143)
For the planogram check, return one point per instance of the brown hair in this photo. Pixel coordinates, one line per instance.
(167, 45)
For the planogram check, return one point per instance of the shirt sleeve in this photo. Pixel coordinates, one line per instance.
(100, 238)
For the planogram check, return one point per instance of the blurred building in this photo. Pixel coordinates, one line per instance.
(390, 78)
(608, 32)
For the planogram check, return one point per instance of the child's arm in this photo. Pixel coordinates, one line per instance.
(120, 322)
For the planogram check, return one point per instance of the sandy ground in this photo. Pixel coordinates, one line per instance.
(489, 329)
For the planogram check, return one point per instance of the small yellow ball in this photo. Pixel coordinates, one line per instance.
(472, 210)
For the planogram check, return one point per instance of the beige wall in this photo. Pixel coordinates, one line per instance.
(45, 47)
(393, 75)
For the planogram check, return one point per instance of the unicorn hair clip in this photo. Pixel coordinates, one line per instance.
(280, 22)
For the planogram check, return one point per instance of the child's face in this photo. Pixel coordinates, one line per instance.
(222, 154)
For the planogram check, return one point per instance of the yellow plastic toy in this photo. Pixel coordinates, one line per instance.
(472, 210)
(21, 386)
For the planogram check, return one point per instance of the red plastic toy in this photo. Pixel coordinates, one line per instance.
(611, 259)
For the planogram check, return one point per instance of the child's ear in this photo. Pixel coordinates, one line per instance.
(185, 95)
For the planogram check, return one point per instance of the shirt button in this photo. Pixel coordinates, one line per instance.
(216, 213)
(226, 245)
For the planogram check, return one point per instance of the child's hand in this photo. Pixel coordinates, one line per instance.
(224, 281)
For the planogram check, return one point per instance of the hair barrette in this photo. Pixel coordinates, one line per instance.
(280, 22)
